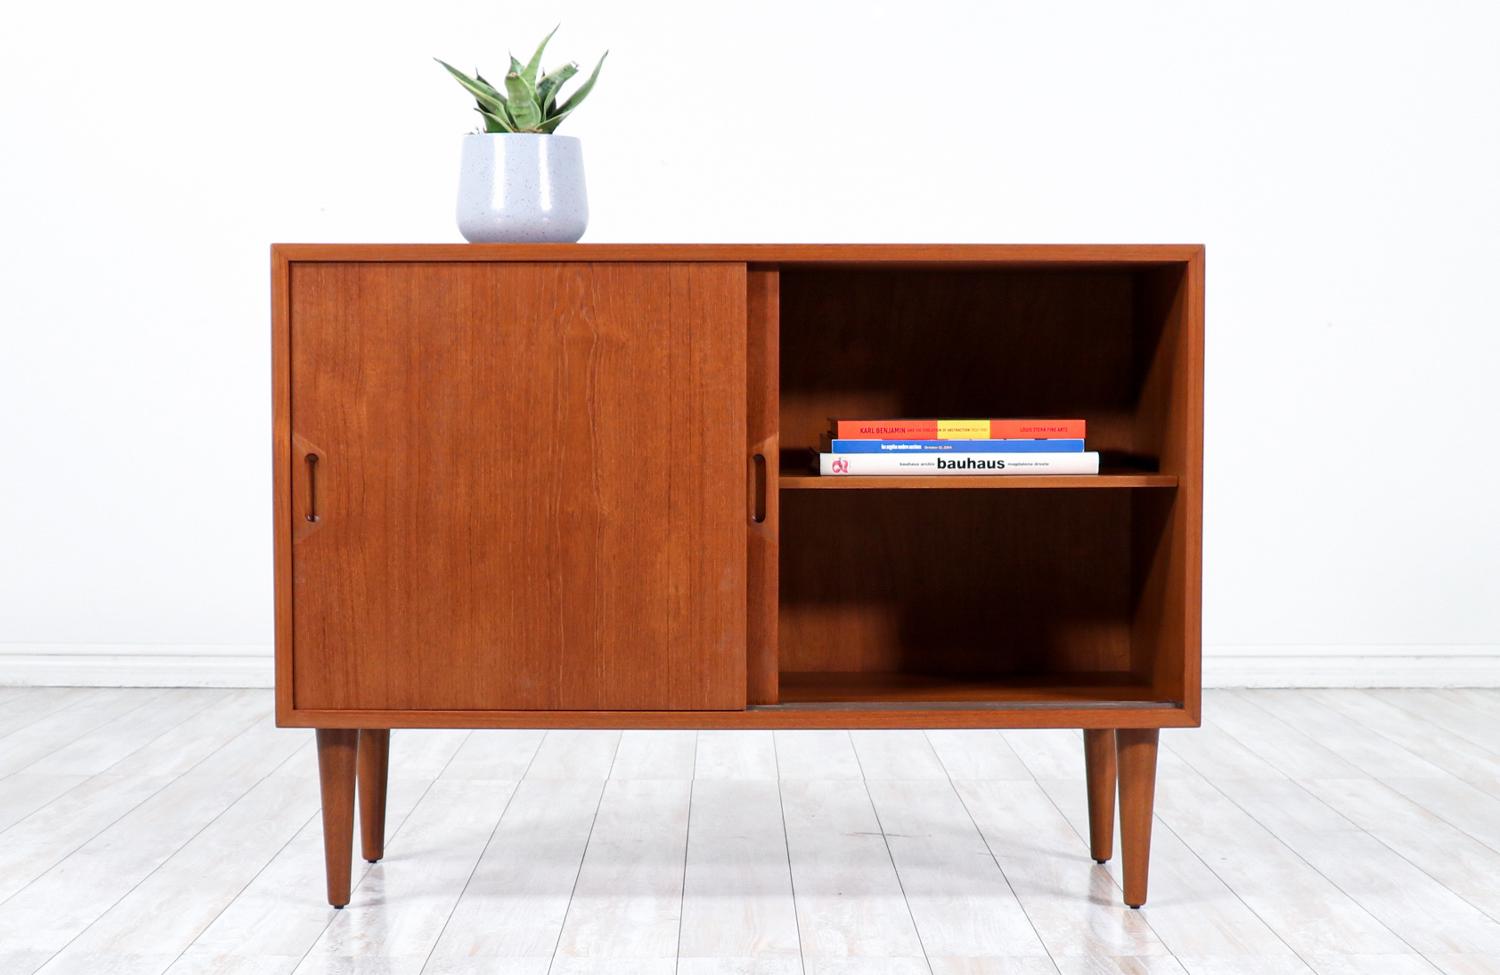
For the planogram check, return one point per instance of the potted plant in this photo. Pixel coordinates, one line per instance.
(520, 182)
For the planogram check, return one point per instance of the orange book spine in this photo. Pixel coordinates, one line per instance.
(959, 429)
(886, 429)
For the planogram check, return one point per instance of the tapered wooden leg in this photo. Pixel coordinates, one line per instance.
(1137, 770)
(337, 748)
(374, 764)
(1099, 765)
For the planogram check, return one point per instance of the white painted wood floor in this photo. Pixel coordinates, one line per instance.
(1337, 832)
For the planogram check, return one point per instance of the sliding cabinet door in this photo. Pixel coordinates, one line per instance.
(518, 485)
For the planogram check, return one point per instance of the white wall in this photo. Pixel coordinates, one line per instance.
(1339, 159)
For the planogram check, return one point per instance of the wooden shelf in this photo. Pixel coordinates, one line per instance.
(893, 688)
(813, 482)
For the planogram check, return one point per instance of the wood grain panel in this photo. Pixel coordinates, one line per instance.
(974, 584)
(372, 779)
(1136, 765)
(1052, 711)
(997, 342)
(1115, 328)
(337, 754)
(531, 491)
(281, 472)
(763, 414)
(915, 689)
(1099, 772)
(1168, 527)
(793, 255)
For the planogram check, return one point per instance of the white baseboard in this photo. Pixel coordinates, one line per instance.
(1471, 665)
(134, 665)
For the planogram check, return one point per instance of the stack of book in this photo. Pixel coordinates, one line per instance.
(905, 447)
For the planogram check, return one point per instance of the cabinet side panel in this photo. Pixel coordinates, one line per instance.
(1167, 528)
(281, 484)
(1191, 489)
(764, 404)
(529, 486)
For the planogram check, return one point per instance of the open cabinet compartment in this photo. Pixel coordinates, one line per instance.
(1041, 597)
(1100, 344)
(932, 592)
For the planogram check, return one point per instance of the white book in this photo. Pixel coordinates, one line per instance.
(959, 464)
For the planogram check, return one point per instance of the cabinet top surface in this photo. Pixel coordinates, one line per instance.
(785, 254)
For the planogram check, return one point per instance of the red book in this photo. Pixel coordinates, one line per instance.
(959, 429)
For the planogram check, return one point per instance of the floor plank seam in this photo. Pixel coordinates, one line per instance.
(1300, 784)
(989, 849)
(102, 829)
(1237, 896)
(1448, 729)
(126, 757)
(1437, 811)
(687, 844)
(107, 718)
(900, 884)
(152, 872)
(584, 855)
(786, 841)
(487, 843)
(82, 696)
(1397, 744)
(1310, 865)
(243, 887)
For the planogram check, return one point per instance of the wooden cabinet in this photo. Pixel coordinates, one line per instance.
(568, 486)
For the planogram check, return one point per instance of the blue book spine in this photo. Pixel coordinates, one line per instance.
(958, 446)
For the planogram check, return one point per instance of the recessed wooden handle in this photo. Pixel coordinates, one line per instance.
(309, 487)
(758, 488)
(312, 487)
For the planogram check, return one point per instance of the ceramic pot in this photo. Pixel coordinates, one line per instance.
(522, 189)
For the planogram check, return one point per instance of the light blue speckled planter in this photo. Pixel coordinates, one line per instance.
(522, 189)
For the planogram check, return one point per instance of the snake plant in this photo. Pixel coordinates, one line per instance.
(527, 103)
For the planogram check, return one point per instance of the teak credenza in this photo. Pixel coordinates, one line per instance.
(568, 486)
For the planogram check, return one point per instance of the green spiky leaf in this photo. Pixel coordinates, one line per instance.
(494, 123)
(546, 91)
(495, 94)
(583, 90)
(550, 126)
(523, 104)
(488, 98)
(535, 64)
